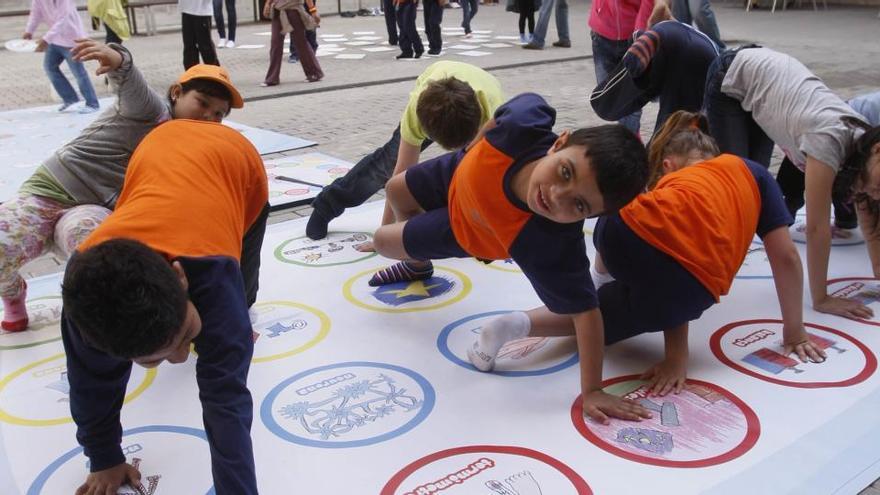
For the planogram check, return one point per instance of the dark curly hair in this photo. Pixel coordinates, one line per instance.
(449, 112)
(206, 87)
(124, 298)
(619, 162)
(854, 169)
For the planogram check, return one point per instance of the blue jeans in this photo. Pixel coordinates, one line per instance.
(363, 180)
(218, 18)
(544, 21)
(607, 54)
(52, 65)
(468, 11)
(698, 12)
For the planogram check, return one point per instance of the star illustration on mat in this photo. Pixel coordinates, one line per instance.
(404, 292)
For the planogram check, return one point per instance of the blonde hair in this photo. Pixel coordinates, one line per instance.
(681, 134)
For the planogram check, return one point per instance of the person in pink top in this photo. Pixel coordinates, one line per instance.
(65, 27)
(612, 24)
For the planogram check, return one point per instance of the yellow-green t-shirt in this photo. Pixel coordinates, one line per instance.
(43, 183)
(485, 85)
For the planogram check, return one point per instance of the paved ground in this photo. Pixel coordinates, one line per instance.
(357, 105)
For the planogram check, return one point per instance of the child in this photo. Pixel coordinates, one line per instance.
(756, 97)
(195, 20)
(671, 253)
(449, 103)
(142, 288)
(669, 62)
(612, 25)
(409, 39)
(290, 16)
(70, 193)
(65, 27)
(519, 192)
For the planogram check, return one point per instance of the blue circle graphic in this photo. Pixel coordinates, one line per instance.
(443, 346)
(273, 426)
(43, 477)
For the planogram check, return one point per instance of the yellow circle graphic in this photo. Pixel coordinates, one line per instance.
(9, 418)
(322, 333)
(465, 289)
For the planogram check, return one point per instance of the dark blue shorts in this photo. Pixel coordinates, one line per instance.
(651, 292)
(429, 236)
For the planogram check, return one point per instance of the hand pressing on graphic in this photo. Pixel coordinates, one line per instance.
(365, 247)
(798, 341)
(599, 406)
(842, 306)
(108, 58)
(524, 484)
(666, 376)
(108, 481)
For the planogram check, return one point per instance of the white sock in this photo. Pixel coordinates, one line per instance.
(600, 279)
(494, 335)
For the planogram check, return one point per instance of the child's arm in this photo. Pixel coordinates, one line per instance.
(407, 156)
(34, 19)
(788, 275)
(591, 345)
(97, 387)
(819, 179)
(871, 232)
(670, 374)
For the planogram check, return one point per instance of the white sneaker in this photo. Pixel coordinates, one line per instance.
(230, 44)
(221, 43)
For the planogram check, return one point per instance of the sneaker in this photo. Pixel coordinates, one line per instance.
(531, 45)
(230, 44)
(405, 55)
(434, 52)
(221, 43)
(562, 43)
(523, 39)
(468, 35)
(65, 106)
(293, 59)
(87, 109)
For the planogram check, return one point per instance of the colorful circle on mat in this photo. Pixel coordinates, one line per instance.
(505, 265)
(754, 347)
(39, 394)
(347, 405)
(285, 328)
(525, 357)
(866, 290)
(338, 248)
(171, 459)
(44, 325)
(755, 265)
(446, 287)
(487, 469)
(702, 426)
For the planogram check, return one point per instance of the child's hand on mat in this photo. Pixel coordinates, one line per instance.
(599, 406)
(42, 45)
(666, 376)
(843, 307)
(365, 247)
(27, 36)
(798, 341)
(86, 49)
(109, 480)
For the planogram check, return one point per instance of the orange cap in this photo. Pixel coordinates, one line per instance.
(213, 73)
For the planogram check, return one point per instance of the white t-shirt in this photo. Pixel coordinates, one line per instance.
(793, 106)
(196, 7)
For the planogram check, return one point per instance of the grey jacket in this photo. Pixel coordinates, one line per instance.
(91, 168)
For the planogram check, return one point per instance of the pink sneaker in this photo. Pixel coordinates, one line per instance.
(15, 318)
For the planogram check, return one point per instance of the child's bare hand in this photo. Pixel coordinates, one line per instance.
(666, 376)
(27, 36)
(599, 406)
(806, 349)
(843, 307)
(42, 45)
(109, 480)
(108, 58)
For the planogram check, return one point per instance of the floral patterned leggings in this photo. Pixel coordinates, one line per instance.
(32, 225)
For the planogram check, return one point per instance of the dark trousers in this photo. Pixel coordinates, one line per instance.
(111, 36)
(791, 181)
(196, 30)
(733, 128)
(433, 15)
(218, 18)
(308, 61)
(311, 37)
(390, 20)
(607, 54)
(468, 11)
(251, 246)
(526, 14)
(409, 40)
(368, 176)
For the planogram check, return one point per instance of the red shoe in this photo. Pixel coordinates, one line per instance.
(15, 326)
